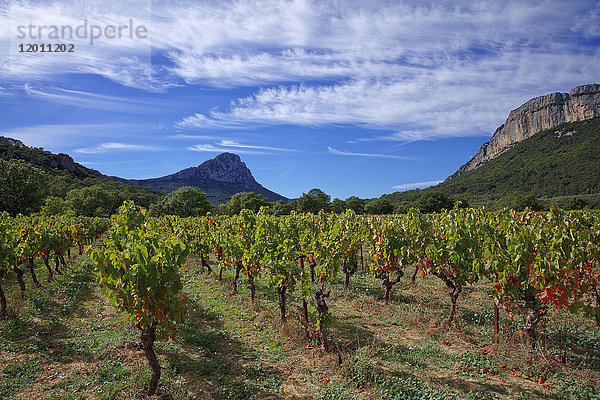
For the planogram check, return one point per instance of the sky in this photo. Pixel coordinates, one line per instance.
(352, 97)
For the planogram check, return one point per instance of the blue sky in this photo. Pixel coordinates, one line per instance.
(353, 97)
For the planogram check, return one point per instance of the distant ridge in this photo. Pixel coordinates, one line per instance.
(220, 178)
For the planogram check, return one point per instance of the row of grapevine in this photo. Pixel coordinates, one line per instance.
(24, 239)
(530, 260)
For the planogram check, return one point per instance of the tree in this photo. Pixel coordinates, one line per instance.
(94, 201)
(280, 207)
(434, 202)
(313, 201)
(520, 203)
(22, 187)
(55, 206)
(186, 201)
(245, 201)
(338, 206)
(355, 204)
(379, 207)
(576, 203)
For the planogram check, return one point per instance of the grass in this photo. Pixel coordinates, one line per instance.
(66, 342)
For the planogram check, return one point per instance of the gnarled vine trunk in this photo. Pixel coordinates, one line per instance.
(50, 274)
(20, 274)
(532, 319)
(238, 269)
(322, 309)
(389, 284)
(148, 337)
(2, 304)
(281, 296)
(349, 272)
(205, 264)
(453, 292)
(414, 275)
(33, 275)
(57, 261)
(252, 287)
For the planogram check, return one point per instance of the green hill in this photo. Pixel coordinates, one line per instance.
(66, 174)
(556, 163)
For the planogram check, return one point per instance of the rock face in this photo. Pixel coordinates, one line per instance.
(225, 167)
(220, 177)
(64, 161)
(538, 114)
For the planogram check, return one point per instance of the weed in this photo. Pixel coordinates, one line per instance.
(17, 375)
(570, 389)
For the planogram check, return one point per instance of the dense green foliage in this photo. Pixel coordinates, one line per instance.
(313, 201)
(245, 201)
(186, 201)
(64, 174)
(22, 187)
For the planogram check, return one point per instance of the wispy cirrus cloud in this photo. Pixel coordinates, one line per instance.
(374, 155)
(237, 145)
(53, 135)
(95, 101)
(441, 69)
(416, 185)
(418, 70)
(209, 148)
(435, 111)
(125, 59)
(231, 145)
(112, 146)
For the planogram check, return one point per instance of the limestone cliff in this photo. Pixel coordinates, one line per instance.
(536, 115)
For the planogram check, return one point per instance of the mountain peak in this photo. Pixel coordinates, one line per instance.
(226, 167)
(228, 157)
(220, 177)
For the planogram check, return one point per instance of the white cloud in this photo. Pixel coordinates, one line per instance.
(418, 70)
(110, 146)
(416, 185)
(415, 70)
(231, 143)
(435, 109)
(375, 155)
(194, 137)
(76, 98)
(61, 135)
(209, 148)
(125, 60)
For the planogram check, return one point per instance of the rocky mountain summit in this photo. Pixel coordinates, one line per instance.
(536, 115)
(220, 177)
(225, 167)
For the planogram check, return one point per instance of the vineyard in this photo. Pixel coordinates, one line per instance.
(459, 304)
